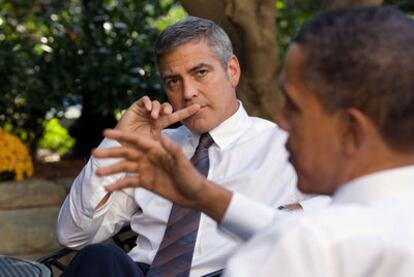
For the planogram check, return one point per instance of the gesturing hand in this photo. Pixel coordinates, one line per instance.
(150, 117)
(159, 166)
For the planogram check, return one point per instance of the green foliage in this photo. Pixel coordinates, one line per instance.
(56, 137)
(405, 5)
(97, 53)
(174, 14)
(290, 15)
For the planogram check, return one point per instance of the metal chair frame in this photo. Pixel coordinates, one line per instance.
(125, 239)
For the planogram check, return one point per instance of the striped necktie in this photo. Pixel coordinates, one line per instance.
(177, 247)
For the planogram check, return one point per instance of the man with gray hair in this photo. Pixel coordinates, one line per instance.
(244, 154)
(349, 110)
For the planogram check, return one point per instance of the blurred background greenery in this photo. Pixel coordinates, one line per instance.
(68, 68)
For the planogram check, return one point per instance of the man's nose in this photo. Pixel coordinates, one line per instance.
(190, 90)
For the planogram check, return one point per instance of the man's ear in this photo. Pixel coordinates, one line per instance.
(233, 71)
(357, 128)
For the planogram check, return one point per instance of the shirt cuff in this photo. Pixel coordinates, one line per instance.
(244, 216)
(315, 203)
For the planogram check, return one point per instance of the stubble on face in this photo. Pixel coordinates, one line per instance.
(201, 80)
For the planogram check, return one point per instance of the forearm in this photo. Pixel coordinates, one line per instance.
(77, 227)
(88, 214)
(214, 201)
(79, 219)
(244, 216)
(236, 214)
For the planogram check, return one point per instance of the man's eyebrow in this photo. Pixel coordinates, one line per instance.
(199, 66)
(168, 76)
(191, 70)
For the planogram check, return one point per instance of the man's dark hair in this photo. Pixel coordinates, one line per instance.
(194, 29)
(364, 58)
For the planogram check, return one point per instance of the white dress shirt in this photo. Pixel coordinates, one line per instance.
(248, 156)
(368, 230)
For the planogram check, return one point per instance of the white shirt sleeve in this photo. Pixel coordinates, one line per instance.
(281, 250)
(79, 222)
(244, 216)
(315, 202)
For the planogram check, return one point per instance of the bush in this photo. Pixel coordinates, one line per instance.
(56, 137)
(96, 54)
(15, 161)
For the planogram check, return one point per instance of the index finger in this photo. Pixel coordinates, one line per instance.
(182, 114)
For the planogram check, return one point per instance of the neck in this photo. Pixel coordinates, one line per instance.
(380, 161)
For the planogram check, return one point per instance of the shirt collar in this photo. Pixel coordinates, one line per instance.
(387, 184)
(229, 130)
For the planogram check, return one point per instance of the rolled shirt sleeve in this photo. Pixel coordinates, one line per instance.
(79, 222)
(244, 216)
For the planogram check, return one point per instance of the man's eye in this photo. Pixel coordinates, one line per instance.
(202, 72)
(172, 82)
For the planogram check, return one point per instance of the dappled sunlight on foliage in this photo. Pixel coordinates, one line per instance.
(174, 14)
(97, 54)
(56, 138)
(15, 161)
(290, 16)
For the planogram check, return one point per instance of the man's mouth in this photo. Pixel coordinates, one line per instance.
(202, 108)
(194, 115)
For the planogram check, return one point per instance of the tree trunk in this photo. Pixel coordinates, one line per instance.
(251, 27)
(336, 4)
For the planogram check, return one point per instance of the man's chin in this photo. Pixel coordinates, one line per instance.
(196, 125)
(308, 187)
